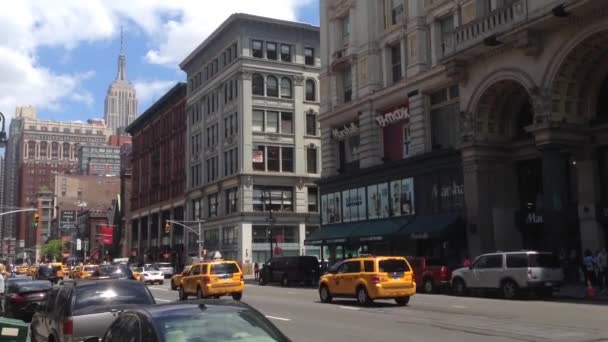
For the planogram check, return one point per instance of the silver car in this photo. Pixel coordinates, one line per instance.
(511, 273)
(166, 268)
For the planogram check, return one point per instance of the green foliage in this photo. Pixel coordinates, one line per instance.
(53, 249)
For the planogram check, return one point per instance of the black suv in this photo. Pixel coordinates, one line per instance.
(78, 309)
(291, 269)
(48, 272)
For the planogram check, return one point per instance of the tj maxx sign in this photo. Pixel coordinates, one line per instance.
(389, 118)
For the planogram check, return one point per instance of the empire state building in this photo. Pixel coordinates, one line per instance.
(121, 100)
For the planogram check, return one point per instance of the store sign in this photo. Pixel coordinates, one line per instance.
(447, 191)
(371, 238)
(396, 115)
(346, 132)
(533, 218)
(419, 236)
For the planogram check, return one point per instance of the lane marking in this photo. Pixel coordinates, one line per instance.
(162, 300)
(279, 318)
(460, 307)
(349, 308)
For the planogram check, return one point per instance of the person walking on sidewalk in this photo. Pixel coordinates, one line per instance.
(589, 267)
(256, 271)
(602, 264)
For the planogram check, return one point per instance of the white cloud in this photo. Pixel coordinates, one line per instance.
(172, 28)
(150, 91)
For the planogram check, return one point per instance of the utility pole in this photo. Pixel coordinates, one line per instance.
(200, 240)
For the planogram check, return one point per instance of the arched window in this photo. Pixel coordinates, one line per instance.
(310, 90)
(66, 150)
(285, 88)
(43, 149)
(257, 84)
(31, 149)
(272, 86)
(54, 150)
(75, 151)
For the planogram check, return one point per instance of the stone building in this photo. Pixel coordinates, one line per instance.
(493, 111)
(254, 143)
(99, 160)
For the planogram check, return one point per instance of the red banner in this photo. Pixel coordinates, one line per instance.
(106, 234)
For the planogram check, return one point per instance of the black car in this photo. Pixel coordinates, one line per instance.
(48, 272)
(119, 271)
(81, 308)
(291, 269)
(196, 320)
(22, 298)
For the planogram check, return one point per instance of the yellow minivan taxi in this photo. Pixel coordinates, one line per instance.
(213, 279)
(369, 278)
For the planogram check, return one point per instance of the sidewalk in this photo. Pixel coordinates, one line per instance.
(578, 292)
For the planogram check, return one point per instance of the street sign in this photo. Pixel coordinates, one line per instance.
(78, 244)
(67, 219)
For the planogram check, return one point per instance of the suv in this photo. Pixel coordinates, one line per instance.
(293, 269)
(78, 309)
(369, 278)
(511, 273)
(48, 272)
(166, 268)
(213, 279)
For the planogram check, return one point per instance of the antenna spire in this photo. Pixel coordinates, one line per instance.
(122, 43)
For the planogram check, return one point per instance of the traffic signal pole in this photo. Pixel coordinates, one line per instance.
(200, 232)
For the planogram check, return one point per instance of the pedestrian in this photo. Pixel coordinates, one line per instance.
(466, 262)
(602, 263)
(589, 267)
(256, 270)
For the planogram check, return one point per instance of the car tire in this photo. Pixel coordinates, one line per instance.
(173, 286)
(182, 294)
(509, 289)
(284, 281)
(428, 286)
(363, 297)
(237, 296)
(324, 294)
(402, 301)
(199, 293)
(459, 288)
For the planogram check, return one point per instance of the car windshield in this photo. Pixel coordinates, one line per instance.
(242, 326)
(136, 269)
(163, 264)
(150, 269)
(31, 286)
(393, 265)
(114, 271)
(224, 268)
(545, 260)
(109, 294)
(90, 268)
(47, 270)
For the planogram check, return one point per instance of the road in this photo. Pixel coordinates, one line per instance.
(299, 314)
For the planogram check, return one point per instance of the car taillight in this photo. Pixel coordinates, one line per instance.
(375, 279)
(242, 278)
(443, 272)
(68, 327)
(16, 297)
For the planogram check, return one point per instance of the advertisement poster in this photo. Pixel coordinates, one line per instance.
(355, 202)
(107, 234)
(338, 207)
(384, 200)
(361, 203)
(396, 198)
(324, 209)
(407, 196)
(331, 213)
(373, 202)
(347, 205)
(258, 156)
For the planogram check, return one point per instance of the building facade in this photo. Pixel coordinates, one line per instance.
(120, 107)
(158, 179)
(99, 160)
(494, 109)
(254, 144)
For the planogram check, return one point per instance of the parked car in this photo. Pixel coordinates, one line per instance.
(7, 282)
(120, 271)
(48, 272)
(430, 274)
(166, 268)
(83, 308)
(369, 278)
(22, 298)
(213, 279)
(511, 273)
(204, 320)
(290, 269)
(176, 280)
(152, 275)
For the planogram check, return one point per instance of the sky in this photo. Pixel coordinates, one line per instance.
(61, 55)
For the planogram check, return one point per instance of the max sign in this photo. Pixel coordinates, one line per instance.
(390, 118)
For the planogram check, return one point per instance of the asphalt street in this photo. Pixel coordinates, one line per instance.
(298, 312)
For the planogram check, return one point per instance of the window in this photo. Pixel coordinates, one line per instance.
(447, 26)
(310, 90)
(286, 88)
(231, 162)
(488, 261)
(212, 165)
(396, 11)
(212, 205)
(368, 266)
(287, 159)
(313, 205)
(311, 160)
(311, 124)
(43, 149)
(286, 53)
(396, 62)
(517, 260)
(229, 236)
(309, 56)
(286, 123)
(272, 198)
(258, 121)
(406, 140)
(66, 151)
(212, 135)
(231, 125)
(257, 84)
(271, 50)
(258, 158)
(345, 24)
(272, 86)
(273, 158)
(347, 84)
(272, 122)
(444, 117)
(232, 201)
(350, 267)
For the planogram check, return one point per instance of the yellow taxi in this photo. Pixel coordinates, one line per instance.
(59, 267)
(176, 280)
(83, 272)
(136, 273)
(65, 269)
(22, 269)
(31, 271)
(213, 279)
(369, 278)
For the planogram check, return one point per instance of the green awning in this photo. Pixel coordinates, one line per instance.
(332, 234)
(371, 230)
(432, 226)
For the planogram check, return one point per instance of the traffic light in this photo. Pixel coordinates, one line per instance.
(36, 220)
(168, 228)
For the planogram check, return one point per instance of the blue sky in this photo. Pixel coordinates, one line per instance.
(60, 56)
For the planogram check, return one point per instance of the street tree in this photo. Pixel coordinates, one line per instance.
(53, 249)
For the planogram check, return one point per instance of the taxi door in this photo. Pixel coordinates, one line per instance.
(346, 277)
(189, 282)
